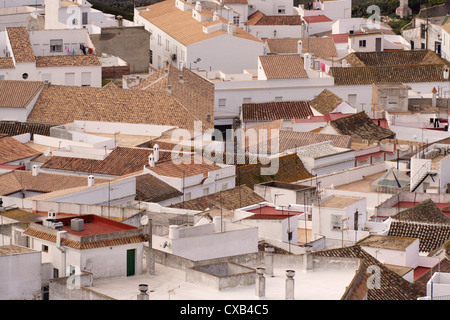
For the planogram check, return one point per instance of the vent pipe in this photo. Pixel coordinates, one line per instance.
(308, 259)
(307, 61)
(269, 260)
(290, 284)
(446, 73)
(91, 180)
(143, 295)
(156, 152)
(35, 170)
(300, 47)
(198, 6)
(260, 288)
(151, 160)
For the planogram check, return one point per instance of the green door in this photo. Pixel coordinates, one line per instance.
(131, 258)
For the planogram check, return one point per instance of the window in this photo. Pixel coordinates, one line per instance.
(2, 77)
(362, 43)
(151, 57)
(236, 20)
(85, 79)
(392, 100)
(352, 100)
(159, 39)
(56, 45)
(44, 248)
(71, 270)
(281, 9)
(224, 186)
(246, 100)
(70, 79)
(84, 18)
(423, 30)
(187, 196)
(222, 102)
(25, 76)
(278, 98)
(412, 44)
(167, 45)
(55, 273)
(422, 46)
(336, 223)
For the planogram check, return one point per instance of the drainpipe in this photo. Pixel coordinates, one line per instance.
(63, 252)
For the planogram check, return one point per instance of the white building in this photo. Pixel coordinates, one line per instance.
(210, 240)
(188, 36)
(104, 247)
(334, 9)
(340, 219)
(429, 169)
(21, 275)
(53, 56)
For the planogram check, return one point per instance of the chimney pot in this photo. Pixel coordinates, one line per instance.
(35, 170)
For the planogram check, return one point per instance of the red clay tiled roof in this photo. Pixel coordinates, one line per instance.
(317, 19)
(275, 110)
(67, 61)
(339, 37)
(392, 286)
(6, 63)
(260, 19)
(85, 245)
(13, 150)
(321, 47)
(17, 93)
(288, 66)
(121, 161)
(20, 44)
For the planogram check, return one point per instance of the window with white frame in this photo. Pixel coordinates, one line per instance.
(56, 45)
(85, 79)
(167, 45)
(362, 43)
(159, 39)
(222, 102)
(336, 222)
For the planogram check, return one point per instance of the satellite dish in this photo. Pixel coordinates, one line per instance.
(144, 220)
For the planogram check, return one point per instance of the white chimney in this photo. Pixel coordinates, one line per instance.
(446, 73)
(260, 288)
(91, 180)
(290, 284)
(230, 28)
(308, 259)
(307, 61)
(344, 63)
(51, 214)
(269, 260)
(151, 160)
(169, 89)
(198, 6)
(300, 47)
(433, 99)
(215, 16)
(35, 170)
(156, 152)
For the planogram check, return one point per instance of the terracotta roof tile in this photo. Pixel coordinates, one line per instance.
(18, 94)
(20, 44)
(182, 26)
(260, 19)
(7, 63)
(392, 286)
(151, 189)
(14, 128)
(286, 66)
(121, 161)
(85, 245)
(67, 61)
(394, 58)
(13, 150)
(426, 211)
(321, 47)
(291, 169)
(21, 180)
(360, 127)
(326, 102)
(276, 110)
(230, 199)
(317, 19)
(65, 104)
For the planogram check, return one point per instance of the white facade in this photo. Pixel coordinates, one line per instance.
(218, 53)
(335, 10)
(277, 31)
(271, 7)
(423, 34)
(20, 275)
(208, 241)
(336, 223)
(409, 257)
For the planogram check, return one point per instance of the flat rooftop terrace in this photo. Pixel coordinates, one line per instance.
(327, 284)
(362, 185)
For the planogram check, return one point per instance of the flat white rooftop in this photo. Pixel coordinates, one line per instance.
(328, 284)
